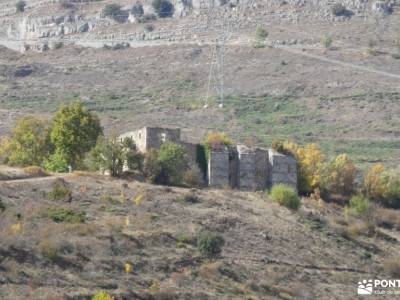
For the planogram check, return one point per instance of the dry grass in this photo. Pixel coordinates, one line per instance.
(210, 270)
(34, 171)
(86, 174)
(392, 266)
(49, 249)
(360, 228)
(388, 218)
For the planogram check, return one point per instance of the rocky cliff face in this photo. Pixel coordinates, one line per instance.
(45, 24)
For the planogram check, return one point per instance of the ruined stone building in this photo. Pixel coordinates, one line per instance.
(240, 167)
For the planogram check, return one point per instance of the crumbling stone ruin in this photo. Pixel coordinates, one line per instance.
(241, 167)
(250, 169)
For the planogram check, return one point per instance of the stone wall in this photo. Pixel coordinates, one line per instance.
(139, 137)
(251, 169)
(152, 137)
(191, 150)
(218, 169)
(283, 169)
(156, 136)
(246, 171)
(261, 169)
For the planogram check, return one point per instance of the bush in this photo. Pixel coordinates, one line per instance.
(374, 185)
(338, 177)
(339, 9)
(261, 36)
(149, 27)
(147, 18)
(60, 191)
(210, 244)
(112, 10)
(279, 146)
(49, 250)
(20, 6)
(60, 215)
(163, 8)
(193, 177)
(391, 197)
(382, 186)
(191, 198)
(261, 33)
(152, 167)
(360, 205)
(286, 196)
(34, 171)
(56, 163)
(326, 41)
(102, 296)
(173, 162)
(216, 141)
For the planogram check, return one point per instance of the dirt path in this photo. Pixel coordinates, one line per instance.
(337, 62)
(37, 179)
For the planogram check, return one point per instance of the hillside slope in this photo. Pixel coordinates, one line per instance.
(269, 251)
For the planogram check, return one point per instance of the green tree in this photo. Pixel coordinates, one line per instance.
(173, 162)
(29, 143)
(167, 165)
(111, 155)
(75, 132)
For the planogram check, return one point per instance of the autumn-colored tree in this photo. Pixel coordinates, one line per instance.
(310, 161)
(29, 143)
(338, 177)
(75, 132)
(374, 185)
(382, 186)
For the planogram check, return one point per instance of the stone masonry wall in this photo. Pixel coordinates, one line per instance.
(246, 170)
(156, 136)
(191, 150)
(218, 169)
(283, 169)
(138, 136)
(261, 169)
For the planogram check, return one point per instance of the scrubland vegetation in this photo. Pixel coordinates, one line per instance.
(332, 194)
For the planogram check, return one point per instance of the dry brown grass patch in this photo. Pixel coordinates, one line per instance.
(34, 171)
(392, 266)
(388, 218)
(360, 228)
